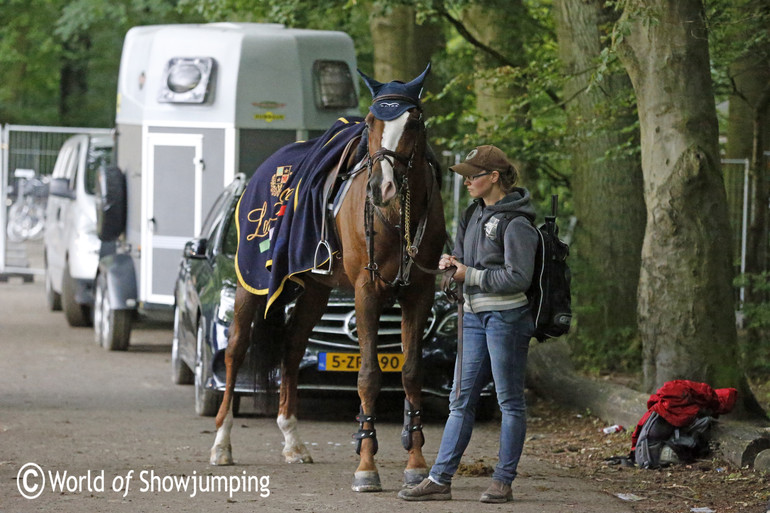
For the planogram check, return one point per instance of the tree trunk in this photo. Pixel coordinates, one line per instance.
(551, 374)
(402, 48)
(73, 84)
(750, 77)
(686, 308)
(756, 258)
(496, 92)
(609, 233)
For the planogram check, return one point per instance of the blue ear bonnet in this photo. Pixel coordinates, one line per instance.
(392, 99)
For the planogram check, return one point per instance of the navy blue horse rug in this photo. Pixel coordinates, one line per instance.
(279, 215)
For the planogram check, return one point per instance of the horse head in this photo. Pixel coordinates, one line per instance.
(396, 134)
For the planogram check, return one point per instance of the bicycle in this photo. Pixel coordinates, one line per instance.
(26, 216)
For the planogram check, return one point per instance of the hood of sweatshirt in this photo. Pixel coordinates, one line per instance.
(517, 200)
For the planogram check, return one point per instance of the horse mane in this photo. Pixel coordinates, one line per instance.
(363, 146)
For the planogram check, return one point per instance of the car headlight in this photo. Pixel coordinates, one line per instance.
(226, 305)
(448, 325)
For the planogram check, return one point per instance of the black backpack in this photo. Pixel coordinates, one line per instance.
(549, 294)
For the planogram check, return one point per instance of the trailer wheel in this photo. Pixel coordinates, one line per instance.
(112, 327)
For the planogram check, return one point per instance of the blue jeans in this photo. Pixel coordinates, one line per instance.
(494, 343)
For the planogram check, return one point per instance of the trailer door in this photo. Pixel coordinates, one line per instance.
(171, 210)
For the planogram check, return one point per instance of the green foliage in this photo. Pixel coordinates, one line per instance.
(756, 313)
(39, 38)
(29, 57)
(754, 338)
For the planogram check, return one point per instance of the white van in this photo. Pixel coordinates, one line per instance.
(71, 244)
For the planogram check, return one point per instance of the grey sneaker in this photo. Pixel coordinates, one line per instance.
(427, 491)
(497, 492)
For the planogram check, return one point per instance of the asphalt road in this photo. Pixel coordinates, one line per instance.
(111, 418)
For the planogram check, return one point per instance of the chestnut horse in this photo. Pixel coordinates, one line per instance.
(391, 231)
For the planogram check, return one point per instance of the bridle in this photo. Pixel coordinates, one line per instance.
(409, 246)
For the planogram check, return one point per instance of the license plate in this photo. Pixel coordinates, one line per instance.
(351, 362)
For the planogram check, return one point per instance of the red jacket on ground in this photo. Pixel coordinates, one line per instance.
(680, 401)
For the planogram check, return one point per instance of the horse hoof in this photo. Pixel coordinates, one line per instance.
(301, 455)
(366, 481)
(221, 456)
(414, 476)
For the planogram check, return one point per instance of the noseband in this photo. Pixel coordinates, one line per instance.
(386, 155)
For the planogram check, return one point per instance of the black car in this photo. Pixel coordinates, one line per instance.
(205, 296)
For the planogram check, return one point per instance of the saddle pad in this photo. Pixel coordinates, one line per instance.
(280, 212)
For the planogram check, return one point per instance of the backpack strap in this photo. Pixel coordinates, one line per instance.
(469, 211)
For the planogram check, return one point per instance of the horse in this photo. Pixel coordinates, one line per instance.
(391, 231)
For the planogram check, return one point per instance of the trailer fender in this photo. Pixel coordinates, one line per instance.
(119, 271)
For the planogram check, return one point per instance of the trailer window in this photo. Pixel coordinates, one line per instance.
(186, 80)
(333, 85)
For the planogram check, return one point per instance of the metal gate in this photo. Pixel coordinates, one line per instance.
(28, 153)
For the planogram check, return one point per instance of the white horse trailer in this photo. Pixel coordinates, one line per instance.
(196, 105)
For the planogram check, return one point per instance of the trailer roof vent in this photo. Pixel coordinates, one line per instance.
(333, 85)
(186, 80)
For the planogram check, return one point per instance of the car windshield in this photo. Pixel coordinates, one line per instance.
(98, 156)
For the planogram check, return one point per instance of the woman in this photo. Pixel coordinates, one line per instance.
(494, 255)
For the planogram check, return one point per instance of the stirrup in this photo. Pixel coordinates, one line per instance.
(316, 267)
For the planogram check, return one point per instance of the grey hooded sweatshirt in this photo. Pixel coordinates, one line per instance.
(500, 264)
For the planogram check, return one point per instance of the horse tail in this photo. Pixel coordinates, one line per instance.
(266, 352)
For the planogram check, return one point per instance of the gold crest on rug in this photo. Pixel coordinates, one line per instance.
(280, 177)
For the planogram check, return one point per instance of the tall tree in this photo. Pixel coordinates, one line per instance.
(686, 309)
(606, 184)
(501, 28)
(402, 48)
(745, 53)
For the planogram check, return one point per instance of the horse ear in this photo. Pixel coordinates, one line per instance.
(414, 87)
(371, 83)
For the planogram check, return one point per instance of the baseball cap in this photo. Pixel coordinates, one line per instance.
(482, 158)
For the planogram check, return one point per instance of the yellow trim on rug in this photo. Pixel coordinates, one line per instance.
(243, 283)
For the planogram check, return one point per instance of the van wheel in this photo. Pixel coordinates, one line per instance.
(52, 297)
(77, 315)
(112, 327)
(180, 372)
(206, 400)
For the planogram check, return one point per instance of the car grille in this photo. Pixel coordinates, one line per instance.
(337, 327)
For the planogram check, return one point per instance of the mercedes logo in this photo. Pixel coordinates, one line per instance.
(349, 325)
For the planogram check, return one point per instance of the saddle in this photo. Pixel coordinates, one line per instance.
(335, 189)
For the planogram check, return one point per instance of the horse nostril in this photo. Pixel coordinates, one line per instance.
(388, 190)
